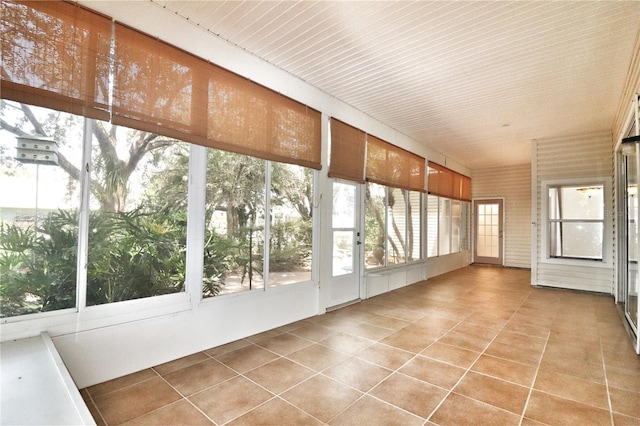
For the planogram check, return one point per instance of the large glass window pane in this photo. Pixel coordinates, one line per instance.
(581, 240)
(576, 202)
(291, 224)
(456, 223)
(444, 227)
(137, 223)
(433, 204)
(396, 225)
(465, 228)
(39, 200)
(234, 223)
(375, 225)
(414, 221)
(576, 221)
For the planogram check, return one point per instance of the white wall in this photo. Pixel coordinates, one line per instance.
(101, 354)
(384, 281)
(450, 262)
(572, 158)
(513, 183)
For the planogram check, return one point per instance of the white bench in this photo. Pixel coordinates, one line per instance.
(36, 388)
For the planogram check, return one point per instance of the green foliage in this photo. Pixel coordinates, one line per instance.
(134, 255)
(374, 221)
(131, 255)
(218, 260)
(38, 265)
(290, 245)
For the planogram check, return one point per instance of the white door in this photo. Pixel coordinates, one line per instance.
(346, 237)
(488, 232)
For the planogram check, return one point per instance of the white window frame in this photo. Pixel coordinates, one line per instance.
(545, 257)
(84, 318)
(423, 224)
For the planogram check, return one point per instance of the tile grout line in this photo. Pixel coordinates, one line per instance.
(185, 398)
(535, 377)
(97, 409)
(476, 360)
(120, 388)
(606, 381)
(427, 419)
(394, 371)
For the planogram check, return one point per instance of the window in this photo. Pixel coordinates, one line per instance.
(456, 225)
(39, 205)
(375, 225)
(392, 226)
(111, 188)
(575, 221)
(234, 223)
(291, 226)
(136, 228)
(396, 225)
(447, 226)
(136, 237)
(432, 225)
(137, 223)
(414, 225)
(237, 232)
(444, 226)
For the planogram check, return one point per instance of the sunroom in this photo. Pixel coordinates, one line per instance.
(172, 184)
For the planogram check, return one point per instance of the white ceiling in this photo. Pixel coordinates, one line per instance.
(473, 80)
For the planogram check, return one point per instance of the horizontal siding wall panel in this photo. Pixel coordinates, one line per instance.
(575, 157)
(576, 277)
(513, 183)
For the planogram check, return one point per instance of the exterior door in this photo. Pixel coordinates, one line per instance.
(346, 237)
(488, 232)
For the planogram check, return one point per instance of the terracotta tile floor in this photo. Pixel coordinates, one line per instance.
(475, 346)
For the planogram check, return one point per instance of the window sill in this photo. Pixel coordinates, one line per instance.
(384, 270)
(584, 263)
(393, 268)
(68, 321)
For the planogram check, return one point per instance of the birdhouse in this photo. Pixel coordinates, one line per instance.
(37, 150)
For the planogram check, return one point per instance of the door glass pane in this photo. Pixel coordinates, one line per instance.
(344, 199)
(342, 252)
